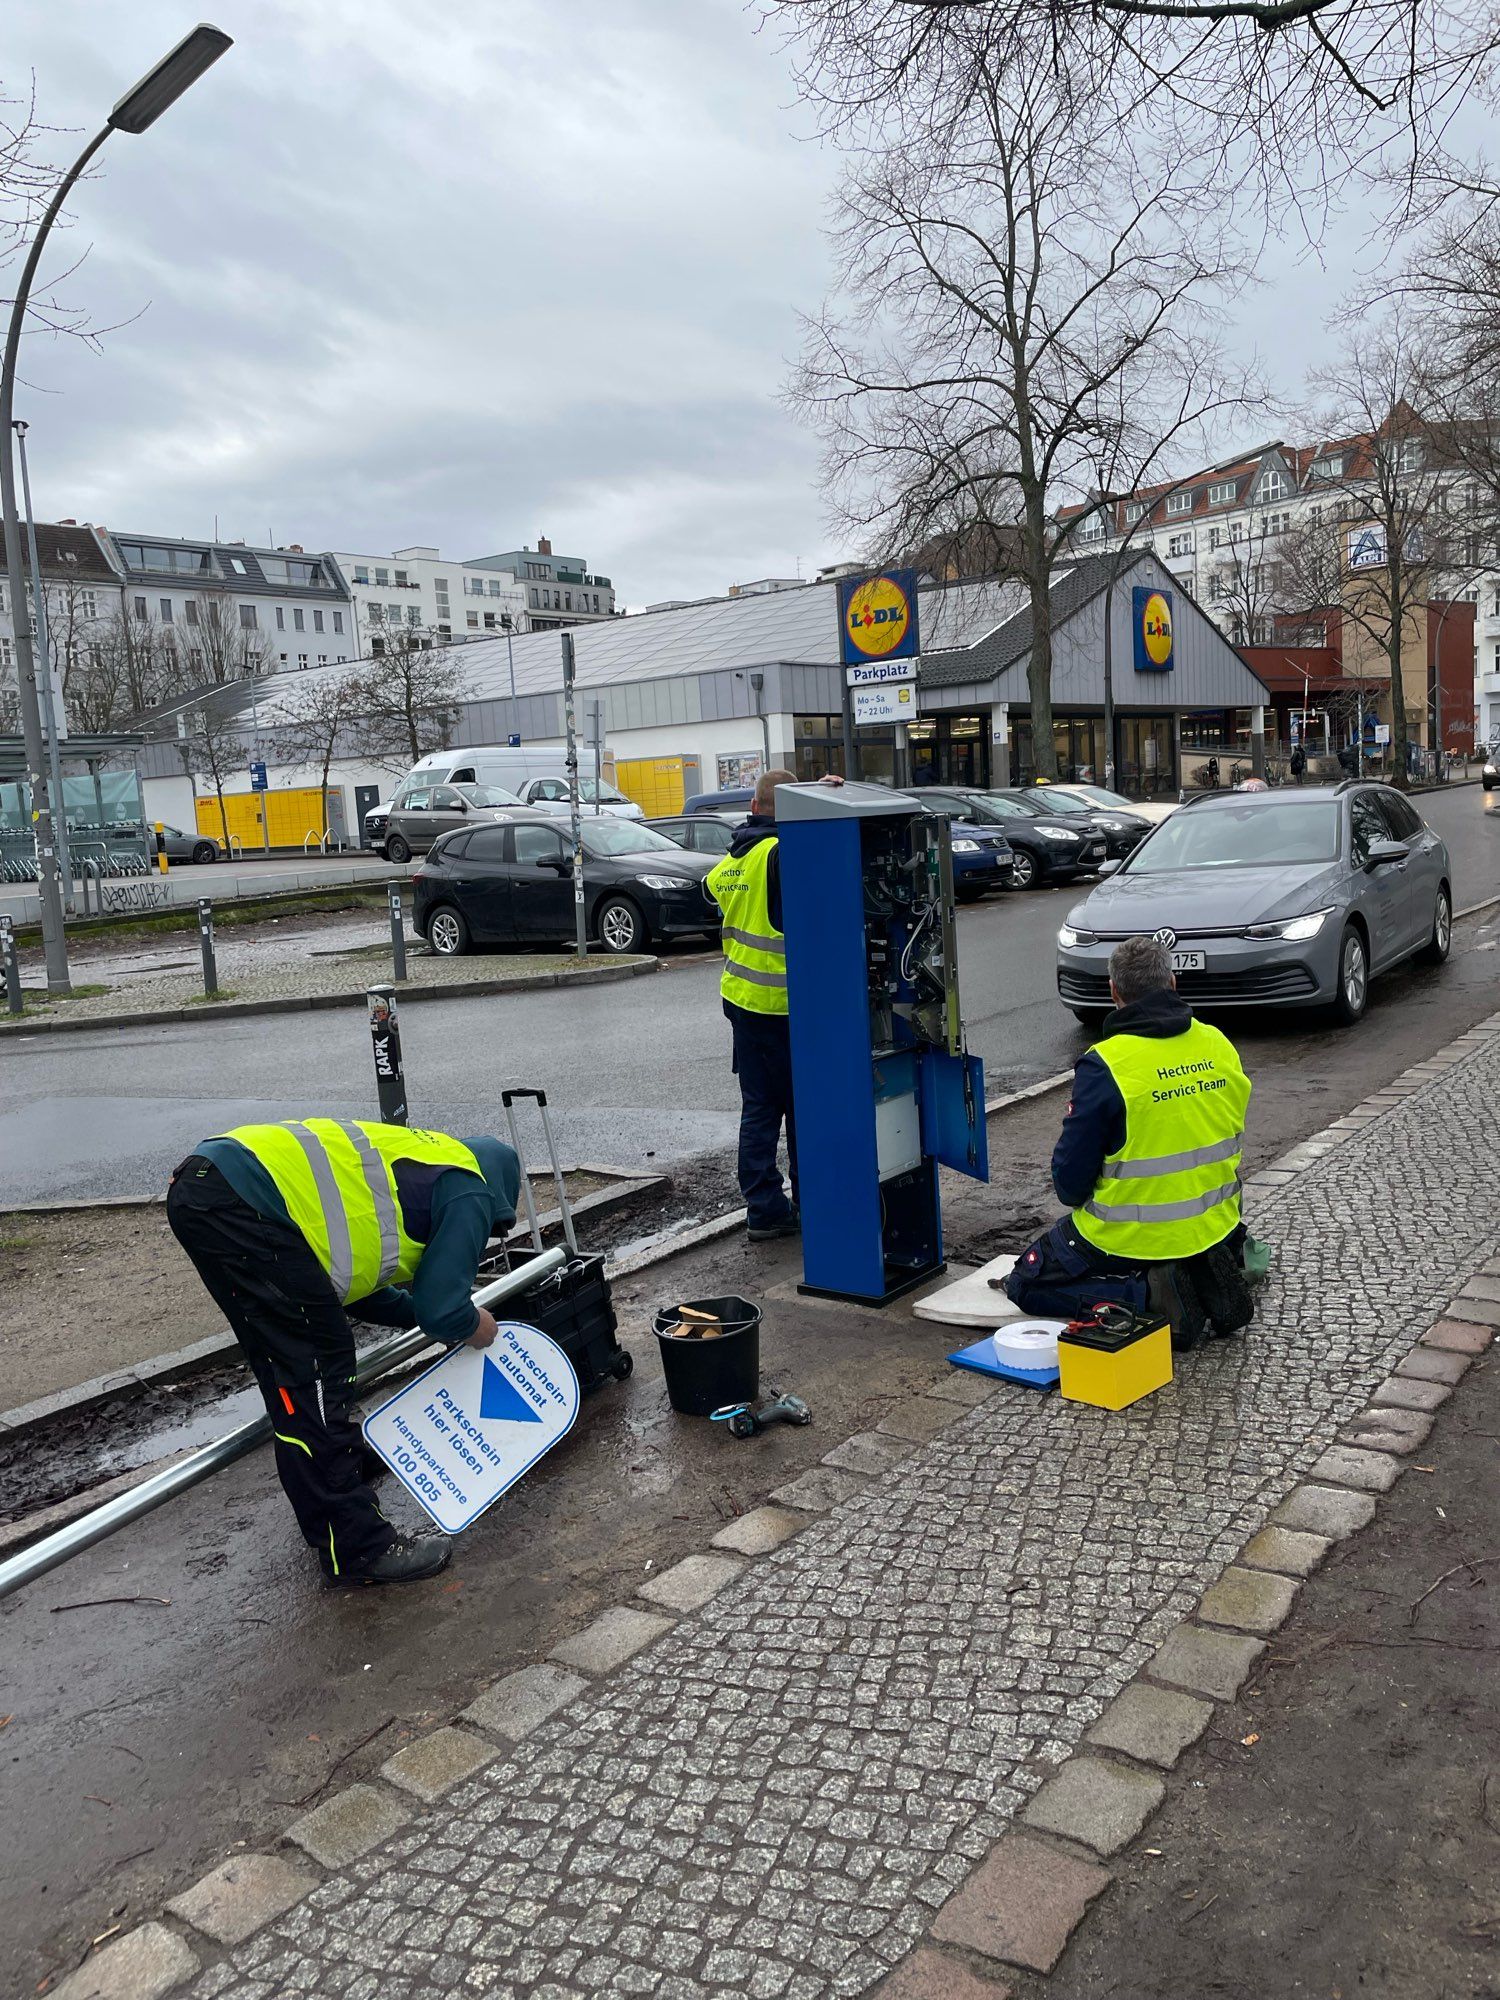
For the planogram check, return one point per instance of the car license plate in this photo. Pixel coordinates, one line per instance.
(1187, 961)
(1096, 852)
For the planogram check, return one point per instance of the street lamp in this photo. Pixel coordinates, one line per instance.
(508, 626)
(136, 110)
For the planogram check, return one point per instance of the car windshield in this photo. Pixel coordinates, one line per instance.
(1000, 805)
(1260, 833)
(624, 836)
(1060, 802)
(1097, 795)
(606, 794)
(487, 795)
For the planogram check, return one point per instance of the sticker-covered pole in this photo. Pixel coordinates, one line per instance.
(385, 1035)
(206, 942)
(580, 928)
(398, 934)
(13, 998)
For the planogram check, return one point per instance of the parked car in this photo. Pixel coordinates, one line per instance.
(699, 833)
(1489, 776)
(982, 856)
(1271, 899)
(1044, 850)
(740, 800)
(377, 819)
(423, 813)
(539, 778)
(1122, 829)
(182, 846)
(1153, 811)
(512, 883)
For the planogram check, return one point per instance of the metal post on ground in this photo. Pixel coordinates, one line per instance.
(1257, 741)
(385, 1035)
(1109, 685)
(46, 685)
(161, 847)
(580, 921)
(596, 730)
(206, 943)
(13, 999)
(398, 934)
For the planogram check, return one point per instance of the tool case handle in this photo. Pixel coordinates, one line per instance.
(507, 1100)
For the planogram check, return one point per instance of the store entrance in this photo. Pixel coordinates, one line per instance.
(1147, 767)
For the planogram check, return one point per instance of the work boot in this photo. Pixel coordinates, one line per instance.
(789, 1224)
(1171, 1296)
(407, 1560)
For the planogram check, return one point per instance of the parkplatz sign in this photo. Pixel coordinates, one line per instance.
(881, 673)
(470, 1426)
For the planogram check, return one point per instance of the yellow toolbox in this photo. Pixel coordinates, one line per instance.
(1112, 1365)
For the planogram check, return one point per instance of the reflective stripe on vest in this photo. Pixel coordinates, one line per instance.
(338, 1181)
(1173, 1187)
(754, 975)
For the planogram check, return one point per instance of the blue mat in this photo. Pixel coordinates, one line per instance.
(981, 1358)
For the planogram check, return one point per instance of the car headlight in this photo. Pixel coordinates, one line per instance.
(1294, 930)
(966, 847)
(1489, 770)
(662, 882)
(1067, 937)
(1056, 833)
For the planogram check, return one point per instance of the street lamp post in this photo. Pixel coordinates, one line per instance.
(138, 109)
(46, 683)
(508, 625)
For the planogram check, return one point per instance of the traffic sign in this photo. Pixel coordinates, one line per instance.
(881, 673)
(475, 1422)
(257, 775)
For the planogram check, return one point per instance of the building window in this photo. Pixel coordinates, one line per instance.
(400, 579)
(1091, 529)
(322, 659)
(440, 587)
(166, 610)
(596, 600)
(280, 619)
(375, 614)
(1273, 485)
(1274, 524)
(7, 657)
(1134, 509)
(473, 620)
(238, 565)
(1181, 545)
(1328, 468)
(190, 611)
(414, 615)
(301, 661)
(195, 658)
(531, 597)
(393, 614)
(87, 605)
(537, 569)
(489, 621)
(1215, 538)
(248, 619)
(382, 577)
(497, 588)
(299, 621)
(140, 607)
(568, 606)
(1221, 492)
(1409, 458)
(361, 573)
(1180, 503)
(338, 621)
(317, 621)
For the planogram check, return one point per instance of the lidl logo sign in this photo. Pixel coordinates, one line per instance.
(1152, 611)
(878, 617)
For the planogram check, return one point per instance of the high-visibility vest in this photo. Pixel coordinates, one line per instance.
(1173, 1188)
(754, 974)
(339, 1184)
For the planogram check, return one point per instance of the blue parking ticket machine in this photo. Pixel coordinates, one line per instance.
(884, 1090)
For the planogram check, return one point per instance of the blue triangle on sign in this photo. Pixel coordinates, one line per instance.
(498, 1398)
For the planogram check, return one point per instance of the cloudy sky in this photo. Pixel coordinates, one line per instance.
(460, 275)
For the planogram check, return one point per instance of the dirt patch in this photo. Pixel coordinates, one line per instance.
(1351, 1846)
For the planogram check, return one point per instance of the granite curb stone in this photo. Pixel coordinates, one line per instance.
(1022, 1903)
(1096, 1802)
(232, 1901)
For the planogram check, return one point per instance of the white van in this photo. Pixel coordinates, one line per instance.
(539, 778)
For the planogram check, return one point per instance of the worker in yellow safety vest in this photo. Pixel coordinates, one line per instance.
(297, 1226)
(746, 884)
(1148, 1163)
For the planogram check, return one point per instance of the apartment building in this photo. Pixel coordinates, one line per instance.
(274, 607)
(83, 592)
(560, 590)
(428, 599)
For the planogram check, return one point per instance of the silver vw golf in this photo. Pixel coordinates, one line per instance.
(1270, 899)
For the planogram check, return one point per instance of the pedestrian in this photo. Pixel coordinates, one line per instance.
(1298, 763)
(295, 1227)
(1148, 1163)
(746, 884)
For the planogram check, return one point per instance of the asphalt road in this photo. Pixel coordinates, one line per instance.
(638, 1073)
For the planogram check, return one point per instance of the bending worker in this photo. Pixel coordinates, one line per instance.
(294, 1227)
(1148, 1162)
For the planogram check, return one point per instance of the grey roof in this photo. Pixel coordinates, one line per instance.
(1010, 641)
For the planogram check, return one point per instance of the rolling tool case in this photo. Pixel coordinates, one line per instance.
(572, 1304)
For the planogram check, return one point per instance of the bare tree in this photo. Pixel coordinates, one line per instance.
(211, 743)
(222, 648)
(1022, 330)
(327, 713)
(129, 664)
(1246, 584)
(408, 701)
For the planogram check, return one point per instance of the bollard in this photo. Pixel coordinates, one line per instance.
(206, 940)
(161, 847)
(385, 1034)
(398, 935)
(13, 998)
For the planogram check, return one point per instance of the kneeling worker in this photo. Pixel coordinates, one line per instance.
(288, 1225)
(1148, 1162)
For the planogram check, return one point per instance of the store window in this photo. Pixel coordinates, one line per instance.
(819, 746)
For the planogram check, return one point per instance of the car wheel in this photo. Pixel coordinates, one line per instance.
(1090, 1019)
(1024, 874)
(447, 932)
(396, 849)
(204, 852)
(620, 926)
(1440, 943)
(1354, 978)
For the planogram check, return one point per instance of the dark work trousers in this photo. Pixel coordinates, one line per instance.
(763, 1064)
(296, 1337)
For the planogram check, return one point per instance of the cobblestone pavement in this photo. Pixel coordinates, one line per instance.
(775, 1797)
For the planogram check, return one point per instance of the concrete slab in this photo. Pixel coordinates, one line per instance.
(818, 1490)
(1483, 1285)
(148, 1962)
(1098, 1803)
(932, 1975)
(1248, 1600)
(1154, 1725)
(1365, 1471)
(1458, 1335)
(691, 1582)
(235, 1899)
(612, 1638)
(962, 1385)
(1402, 1392)
(868, 1453)
(1381, 1428)
(1431, 1364)
(1333, 1511)
(1022, 1903)
(760, 1531)
(435, 1764)
(1482, 1312)
(524, 1700)
(1215, 1664)
(1285, 1550)
(916, 1421)
(348, 1825)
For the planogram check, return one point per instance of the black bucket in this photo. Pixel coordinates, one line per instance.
(704, 1375)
